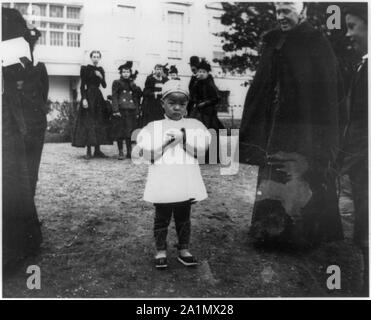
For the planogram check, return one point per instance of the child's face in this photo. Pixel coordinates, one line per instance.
(202, 74)
(125, 73)
(173, 75)
(175, 105)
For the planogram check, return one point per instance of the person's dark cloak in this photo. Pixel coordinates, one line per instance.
(354, 155)
(25, 91)
(204, 98)
(293, 110)
(152, 108)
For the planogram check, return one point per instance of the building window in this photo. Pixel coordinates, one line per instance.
(219, 55)
(56, 38)
(42, 39)
(53, 21)
(73, 39)
(73, 13)
(56, 25)
(175, 34)
(125, 22)
(56, 11)
(21, 7)
(216, 26)
(39, 9)
(73, 27)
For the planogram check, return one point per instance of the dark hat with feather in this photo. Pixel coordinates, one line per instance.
(204, 65)
(127, 66)
(173, 69)
(14, 26)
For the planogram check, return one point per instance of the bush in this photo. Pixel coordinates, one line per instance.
(60, 127)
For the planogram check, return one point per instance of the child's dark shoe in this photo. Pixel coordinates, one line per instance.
(121, 156)
(161, 263)
(188, 261)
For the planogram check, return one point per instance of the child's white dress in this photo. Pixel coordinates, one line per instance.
(176, 176)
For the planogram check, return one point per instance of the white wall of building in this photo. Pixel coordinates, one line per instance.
(59, 88)
(142, 31)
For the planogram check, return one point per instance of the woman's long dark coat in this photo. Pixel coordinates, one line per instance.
(25, 91)
(34, 99)
(92, 125)
(355, 156)
(204, 99)
(294, 110)
(205, 92)
(152, 108)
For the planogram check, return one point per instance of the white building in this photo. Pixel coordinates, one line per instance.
(146, 32)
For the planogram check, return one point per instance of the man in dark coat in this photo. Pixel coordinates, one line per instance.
(290, 128)
(355, 145)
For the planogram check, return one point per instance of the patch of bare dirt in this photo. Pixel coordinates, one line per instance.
(98, 239)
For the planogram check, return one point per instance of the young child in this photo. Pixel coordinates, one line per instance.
(126, 97)
(174, 179)
(173, 73)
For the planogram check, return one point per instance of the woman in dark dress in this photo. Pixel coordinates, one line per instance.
(204, 99)
(25, 92)
(92, 124)
(126, 97)
(152, 108)
(194, 61)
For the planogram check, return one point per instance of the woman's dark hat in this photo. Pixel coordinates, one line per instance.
(204, 65)
(173, 69)
(14, 26)
(194, 61)
(127, 66)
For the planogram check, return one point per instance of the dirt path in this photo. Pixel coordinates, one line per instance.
(98, 239)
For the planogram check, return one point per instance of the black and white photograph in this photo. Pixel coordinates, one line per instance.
(184, 150)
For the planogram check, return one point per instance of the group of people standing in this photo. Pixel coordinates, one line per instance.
(304, 130)
(299, 126)
(100, 122)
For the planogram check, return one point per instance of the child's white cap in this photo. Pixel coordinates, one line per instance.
(172, 86)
